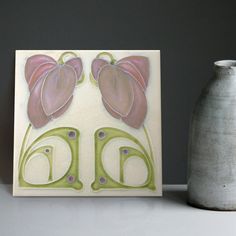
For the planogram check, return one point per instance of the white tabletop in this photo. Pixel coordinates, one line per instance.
(110, 216)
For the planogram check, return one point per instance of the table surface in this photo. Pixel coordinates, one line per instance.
(169, 215)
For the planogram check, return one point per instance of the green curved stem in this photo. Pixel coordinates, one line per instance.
(102, 179)
(149, 141)
(112, 59)
(92, 80)
(61, 61)
(63, 133)
(81, 80)
(24, 142)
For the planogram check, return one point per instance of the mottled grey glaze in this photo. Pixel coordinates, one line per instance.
(212, 142)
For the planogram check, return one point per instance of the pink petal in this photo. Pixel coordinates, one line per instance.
(76, 63)
(97, 64)
(141, 63)
(42, 69)
(35, 110)
(33, 62)
(139, 109)
(58, 88)
(63, 109)
(116, 89)
(132, 71)
(110, 110)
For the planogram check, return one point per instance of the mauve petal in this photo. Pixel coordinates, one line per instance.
(38, 72)
(76, 63)
(63, 109)
(58, 88)
(33, 62)
(35, 110)
(97, 64)
(116, 89)
(139, 109)
(132, 71)
(110, 110)
(141, 63)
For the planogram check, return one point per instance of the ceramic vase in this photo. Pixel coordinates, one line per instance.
(212, 142)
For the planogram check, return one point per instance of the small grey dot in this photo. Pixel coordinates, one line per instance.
(102, 180)
(70, 179)
(125, 151)
(101, 134)
(72, 134)
(47, 150)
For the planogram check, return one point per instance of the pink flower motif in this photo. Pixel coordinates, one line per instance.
(123, 85)
(51, 85)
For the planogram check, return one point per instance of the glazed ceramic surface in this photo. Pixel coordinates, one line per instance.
(212, 142)
(87, 123)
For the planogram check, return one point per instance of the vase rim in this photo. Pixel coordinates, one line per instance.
(226, 64)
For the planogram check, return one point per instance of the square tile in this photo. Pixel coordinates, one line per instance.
(87, 123)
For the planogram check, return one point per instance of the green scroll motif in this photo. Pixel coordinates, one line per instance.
(102, 179)
(71, 178)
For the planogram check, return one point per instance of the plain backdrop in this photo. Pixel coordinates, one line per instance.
(190, 34)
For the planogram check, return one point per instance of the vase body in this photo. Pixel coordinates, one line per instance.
(212, 143)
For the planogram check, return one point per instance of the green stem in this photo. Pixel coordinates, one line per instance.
(149, 141)
(112, 59)
(24, 142)
(61, 61)
(92, 80)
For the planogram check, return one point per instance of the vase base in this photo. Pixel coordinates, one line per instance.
(203, 207)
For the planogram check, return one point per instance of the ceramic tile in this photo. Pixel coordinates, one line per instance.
(87, 123)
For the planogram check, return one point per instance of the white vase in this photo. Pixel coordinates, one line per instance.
(212, 142)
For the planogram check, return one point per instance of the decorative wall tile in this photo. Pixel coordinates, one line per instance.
(87, 123)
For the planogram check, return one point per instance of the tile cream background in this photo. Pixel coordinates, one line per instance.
(87, 114)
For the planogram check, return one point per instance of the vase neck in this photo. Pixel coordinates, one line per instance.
(225, 68)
